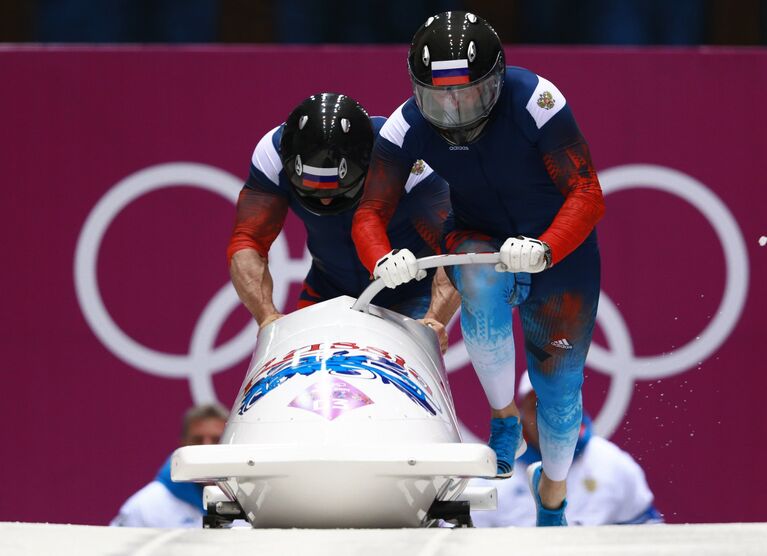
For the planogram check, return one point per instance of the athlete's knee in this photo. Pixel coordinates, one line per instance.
(557, 383)
(479, 284)
(473, 280)
(559, 397)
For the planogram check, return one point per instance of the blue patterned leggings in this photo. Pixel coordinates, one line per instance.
(557, 309)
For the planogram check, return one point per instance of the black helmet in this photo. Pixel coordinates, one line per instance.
(325, 150)
(456, 66)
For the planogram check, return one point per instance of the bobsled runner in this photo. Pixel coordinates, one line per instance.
(345, 419)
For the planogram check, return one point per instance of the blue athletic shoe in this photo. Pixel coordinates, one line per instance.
(544, 516)
(507, 443)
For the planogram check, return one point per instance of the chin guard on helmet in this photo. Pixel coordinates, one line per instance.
(457, 66)
(325, 149)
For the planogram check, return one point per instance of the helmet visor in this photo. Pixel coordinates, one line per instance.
(457, 106)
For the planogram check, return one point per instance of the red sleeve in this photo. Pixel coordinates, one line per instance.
(384, 185)
(260, 216)
(572, 171)
(430, 207)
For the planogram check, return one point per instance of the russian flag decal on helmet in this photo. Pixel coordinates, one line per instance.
(450, 72)
(320, 178)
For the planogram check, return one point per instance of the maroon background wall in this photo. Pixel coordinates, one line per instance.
(84, 427)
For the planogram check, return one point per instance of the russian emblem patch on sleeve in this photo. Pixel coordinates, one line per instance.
(546, 100)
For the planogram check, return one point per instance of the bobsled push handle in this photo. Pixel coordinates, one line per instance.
(426, 262)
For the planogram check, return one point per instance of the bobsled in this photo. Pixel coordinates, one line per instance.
(344, 420)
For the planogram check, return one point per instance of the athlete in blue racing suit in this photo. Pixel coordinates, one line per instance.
(522, 183)
(315, 164)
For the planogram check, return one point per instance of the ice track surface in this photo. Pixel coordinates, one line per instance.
(679, 540)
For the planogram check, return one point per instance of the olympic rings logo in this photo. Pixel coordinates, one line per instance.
(204, 359)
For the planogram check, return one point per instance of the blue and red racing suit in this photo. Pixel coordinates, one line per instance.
(529, 173)
(336, 270)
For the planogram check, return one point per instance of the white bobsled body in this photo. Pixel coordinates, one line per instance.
(345, 419)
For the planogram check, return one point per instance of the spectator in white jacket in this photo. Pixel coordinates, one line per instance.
(163, 503)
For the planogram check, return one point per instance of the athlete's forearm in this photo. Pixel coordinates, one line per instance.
(572, 171)
(259, 220)
(253, 283)
(369, 233)
(445, 299)
(384, 185)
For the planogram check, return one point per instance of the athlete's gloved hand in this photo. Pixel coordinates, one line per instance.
(397, 267)
(524, 254)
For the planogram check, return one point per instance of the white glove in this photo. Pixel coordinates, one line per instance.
(524, 254)
(397, 267)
